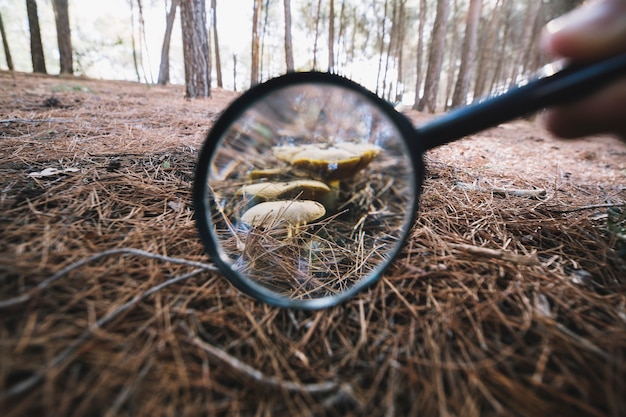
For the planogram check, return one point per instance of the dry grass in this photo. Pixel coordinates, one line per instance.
(498, 304)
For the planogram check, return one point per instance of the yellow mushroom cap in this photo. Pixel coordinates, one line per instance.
(271, 190)
(336, 162)
(295, 213)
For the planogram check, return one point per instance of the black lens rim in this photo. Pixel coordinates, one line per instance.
(223, 124)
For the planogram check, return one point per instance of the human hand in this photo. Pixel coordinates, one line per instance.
(594, 31)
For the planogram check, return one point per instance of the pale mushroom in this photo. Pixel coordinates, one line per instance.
(328, 162)
(295, 213)
(304, 189)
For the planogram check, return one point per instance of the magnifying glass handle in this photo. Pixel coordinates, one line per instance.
(567, 85)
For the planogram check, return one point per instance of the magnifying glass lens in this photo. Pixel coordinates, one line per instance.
(310, 193)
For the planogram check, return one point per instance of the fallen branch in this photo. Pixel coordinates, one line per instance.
(259, 377)
(497, 254)
(589, 207)
(128, 251)
(517, 192)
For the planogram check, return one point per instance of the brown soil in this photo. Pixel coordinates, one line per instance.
(508, 299)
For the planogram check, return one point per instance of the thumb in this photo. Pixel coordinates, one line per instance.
(594, 31)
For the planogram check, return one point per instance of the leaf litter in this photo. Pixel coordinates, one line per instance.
(501, 303)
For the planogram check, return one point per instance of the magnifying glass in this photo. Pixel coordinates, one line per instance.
(308, 184)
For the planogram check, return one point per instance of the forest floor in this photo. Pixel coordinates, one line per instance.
(508, 299)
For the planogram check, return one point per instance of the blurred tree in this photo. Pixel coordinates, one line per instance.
(420, 55)
(164, 67)
(288, 45)
(64, 36)
(331, 37)
(254, 66)
(5, 44)
(36, 48)
(435, 57)
(216, 44)
(468, 54)
(196, 52)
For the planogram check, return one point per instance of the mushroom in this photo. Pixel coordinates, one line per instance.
(328, 162)
(295, 213)
(304, 189)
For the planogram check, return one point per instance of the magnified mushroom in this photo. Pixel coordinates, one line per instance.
(328, 162)
(304, 189)
(295, 213)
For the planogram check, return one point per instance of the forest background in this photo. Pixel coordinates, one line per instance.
(460, 49)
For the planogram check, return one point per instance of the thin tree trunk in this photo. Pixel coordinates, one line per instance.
(485, 62)
(132, 39)
(254, 66)
(501, 54)
(262, 55)
(435, 57)
(195, 48)
(234, 72)
(164, 67)
(390, 46)
(317, 33)
(64, 35)
(36, 48)
(400, 52)
(381, 39)
(331, 37)
(288, 43)
(468, 52)
(218, 60)
(341, 36)
(420, 56)
(5, 45)
(142, 41)
(453, 52)
(532, 10)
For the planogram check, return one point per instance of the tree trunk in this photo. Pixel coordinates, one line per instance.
(218, 60)
(5, 45)
(468, 54)
(435, 57)
(420, 55)
(400, 52)
(164, 67)
(453, 52)
(317, 33)
(331, 37)
(64, 35)
(341, 37)
(254, 66)
(381, 39)
(234, 72)
(532, 10)
(195, 48)
(262, 55)
(36, 48)
(288, 43)
(488, 41)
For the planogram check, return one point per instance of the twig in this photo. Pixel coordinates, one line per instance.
(46, 283)
(517, 192)
(61, 357)
(259, 377)
(34, 120)
(589, 207)
(497, 254)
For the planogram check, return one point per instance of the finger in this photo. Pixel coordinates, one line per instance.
(602, 112)
(594, 31)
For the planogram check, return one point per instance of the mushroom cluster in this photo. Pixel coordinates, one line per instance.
(299, 202)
